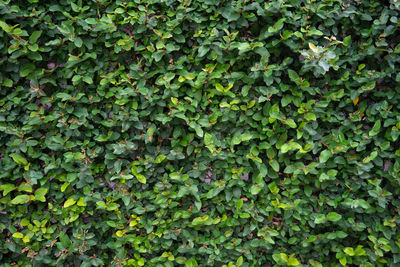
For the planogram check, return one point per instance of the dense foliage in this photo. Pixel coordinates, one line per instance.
(199, 133)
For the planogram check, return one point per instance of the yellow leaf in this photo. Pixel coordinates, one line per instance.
(26, 239)
(174, 100)
(355, 101)
(64, 186)
(81, 202)
(313, 48)
(141, 178)
(18, 235)
(119, 233)
(219, 87)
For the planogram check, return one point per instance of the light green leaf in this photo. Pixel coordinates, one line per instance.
(175, 176)
(290, 123)
(21, 199)
(160, 158)
(246, 137)
(293, 261)
(208, 139)
(274, 164)
(7, 188)
(320, 218)
(313, 48)
(323, 177)
(239, 261)
(349, 251)
(219, 87)
(367, 87)
(372, 156)
(333, 216)
(87, 79)
(4, 26)
(310, 116)
(25, 187)
(69, 202)
(325, 155)
(255, 189)
(101, 204)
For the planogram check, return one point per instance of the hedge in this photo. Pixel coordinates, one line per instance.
(199, 133)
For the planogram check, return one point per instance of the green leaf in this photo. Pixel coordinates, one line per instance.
(274, 164)
(277, 26)
(7, 188)
(333, 216)
(35, 36)
(286, 100)
(239, 261)
(294, 77)
(325, 155)
(239, 204)
(65, 241)
(246, 137)
(64, 96)
(375, 129)
(323, 177)
(4, 26)
(320, 218)
(175, 176)
(367, 87)
(190, 76)
(313, 32)
(290, 123)
(40, 194)
(25, 187)
(26, 69)
(310, 116)
(21, 199)
(274, 112)
(19, 159)
(197, 128)
(101, 204)
(78, 42)
(347, 40)
(372, 156)
(87, 79)
(255, 189)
